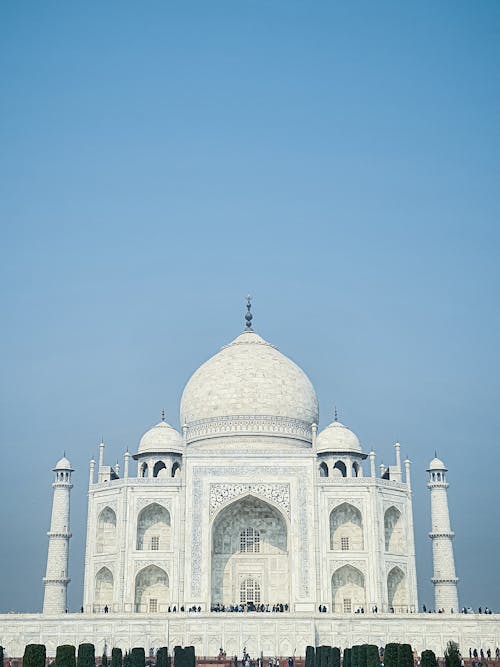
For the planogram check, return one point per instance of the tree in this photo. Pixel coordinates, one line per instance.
(452, 655)
(65, 656)
(1, 656)
(138, 657)
(86, 656)
(104, 660)
(405, 656)
(391, 655)
(322, 656)
(34, 655)
(179, 656)
(347, 662)
(355, 656)
(428, 659)
(310, 656)
(162, 657)
(334, 660)
(372, 656)
(116, 657)
(190, 656)
(362, 655)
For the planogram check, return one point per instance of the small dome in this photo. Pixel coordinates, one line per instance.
(160, 438)
(436, 464)
(337, 438)
(249, 386)
(63, 464)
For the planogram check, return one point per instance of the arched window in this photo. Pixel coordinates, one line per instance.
(339, 469)
(396, 590)
(394, 531)
(159, 465)
(355, 469)
(346, 528)
(103, 591)
(249, 540)
(249, 591)
(175, 469)
(106, 531)
(153, 528)
(144, 470)
(323, 470)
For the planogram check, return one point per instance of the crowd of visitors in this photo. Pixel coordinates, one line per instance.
(247, 661)
(250, 606)
(464, 610)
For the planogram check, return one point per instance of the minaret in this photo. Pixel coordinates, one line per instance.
(444, 579)
(56, 577)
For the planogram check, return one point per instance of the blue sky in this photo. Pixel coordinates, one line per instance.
(338, 160)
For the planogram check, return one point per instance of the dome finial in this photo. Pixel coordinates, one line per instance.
(248, 315)
(163, 415)
(335, 415)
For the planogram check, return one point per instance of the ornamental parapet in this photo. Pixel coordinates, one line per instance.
(280, 427)
(444, 580)
(443, 533)
(63, 533)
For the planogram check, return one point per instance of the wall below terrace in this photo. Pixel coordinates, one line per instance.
(273, 634)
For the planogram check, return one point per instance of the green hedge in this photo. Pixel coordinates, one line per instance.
(405, 656)
(162, 657)
(391, 655)
(428, 659)
(362, 655)
(34, 655)
(309, 656)
(347, 658)
(355, 656)
(66, 656)
(334, 660)
(116, 657)
(179, 657)
(452, 655)
(138, 657)
(86, 656)
(372, 656)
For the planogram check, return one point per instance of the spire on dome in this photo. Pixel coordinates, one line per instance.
(335, 415)
(248, 315)
(163, 415)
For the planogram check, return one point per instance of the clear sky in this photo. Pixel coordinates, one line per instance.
(340, 161)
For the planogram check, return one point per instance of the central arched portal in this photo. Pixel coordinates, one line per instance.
(250, 554)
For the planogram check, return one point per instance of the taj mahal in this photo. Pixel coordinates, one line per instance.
(249, 527)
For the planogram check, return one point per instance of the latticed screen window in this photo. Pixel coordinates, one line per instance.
(155, 543)
(249, 540)
(250, 591)
(347, 606)
(344, 543)
(153, 605)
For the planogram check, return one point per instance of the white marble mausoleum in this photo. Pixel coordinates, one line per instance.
(249, 505)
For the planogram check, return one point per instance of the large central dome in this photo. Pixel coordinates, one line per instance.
(249, 388)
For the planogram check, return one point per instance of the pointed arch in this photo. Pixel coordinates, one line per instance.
(152, 590)
(397, 595)
(153, 528)
(323, 469)
(103, 588)
(249, 540)
(159, 465)
(143, 470)
(106, 531)
(176, 468)
(355, 469)
(348, 589)
(346, 528)
(394, 531)
(340, 469)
